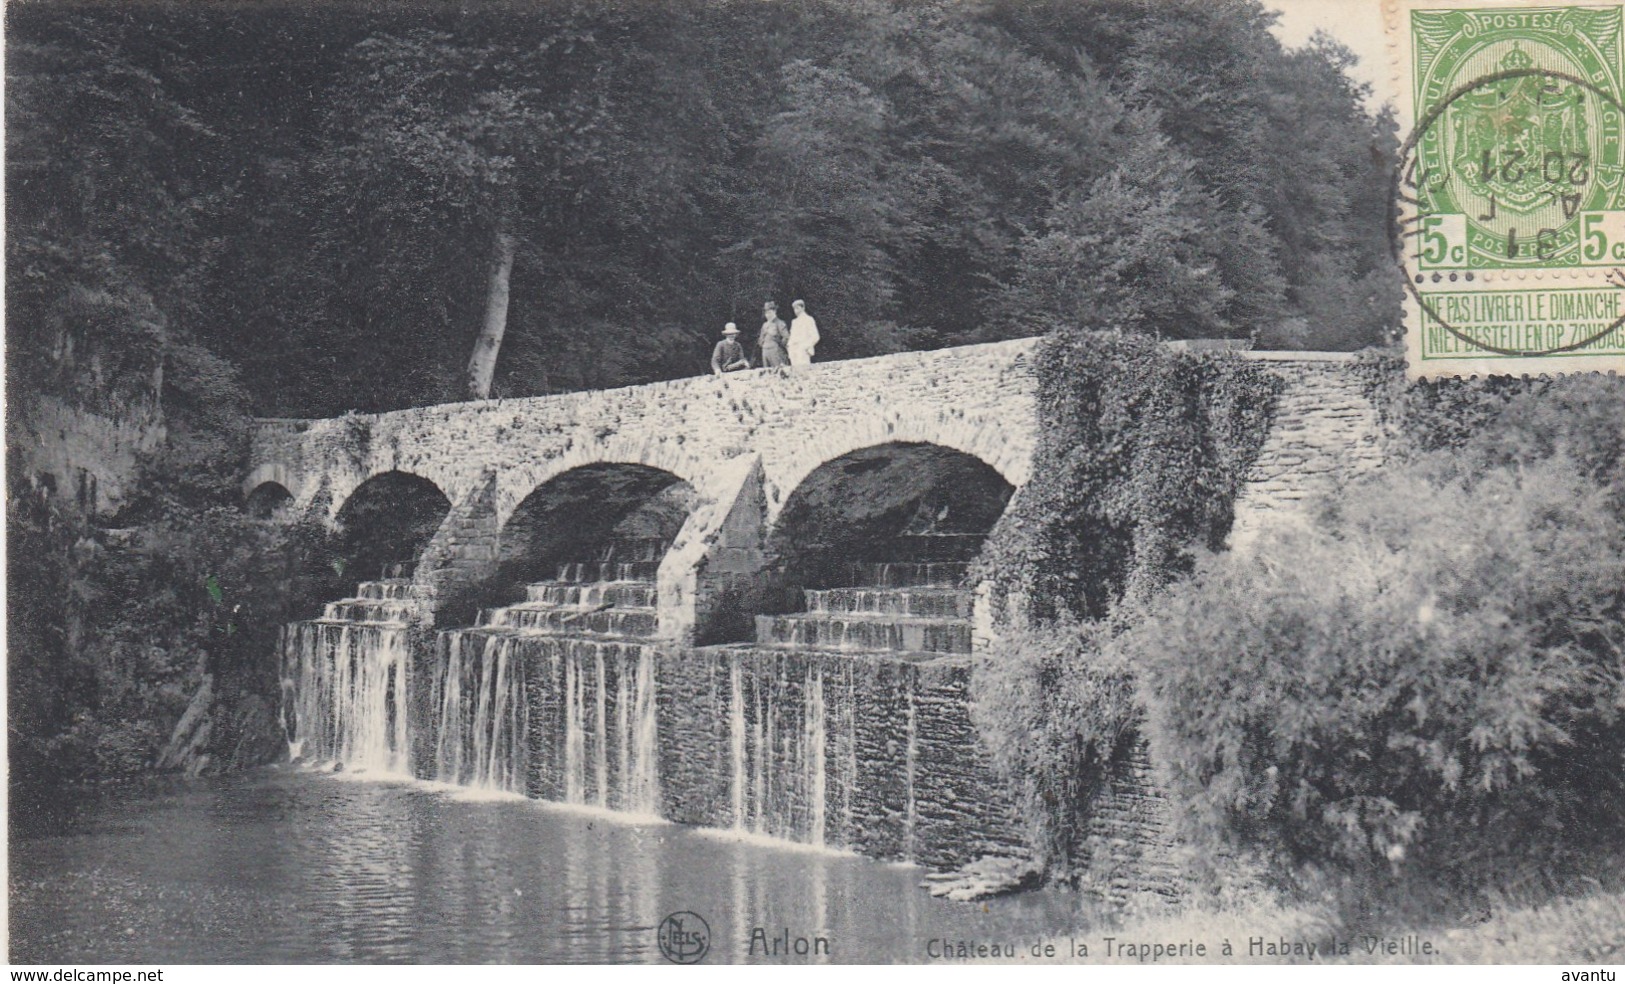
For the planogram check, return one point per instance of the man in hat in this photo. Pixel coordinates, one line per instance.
(803, 335)
(729, 355)
(775, 335)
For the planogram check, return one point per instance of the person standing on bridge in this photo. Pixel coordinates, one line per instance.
(803, 335)
(773, 338)
(729, 355)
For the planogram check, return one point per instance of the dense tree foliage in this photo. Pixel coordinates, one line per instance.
(325, 195)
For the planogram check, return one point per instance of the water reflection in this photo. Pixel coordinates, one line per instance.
(285, 866)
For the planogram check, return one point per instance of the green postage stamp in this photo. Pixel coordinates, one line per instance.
(1511, 186)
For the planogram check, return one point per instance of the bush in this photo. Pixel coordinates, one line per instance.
(1501, 420)
(1428, 679)
(1052, 710)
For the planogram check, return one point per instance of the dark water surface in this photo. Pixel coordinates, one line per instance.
(284, 866)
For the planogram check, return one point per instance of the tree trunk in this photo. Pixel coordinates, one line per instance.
(483, 364)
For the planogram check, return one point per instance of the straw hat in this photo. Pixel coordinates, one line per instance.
(730, 329)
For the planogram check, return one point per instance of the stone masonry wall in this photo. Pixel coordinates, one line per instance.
(1325, 429)
(977, 399)
(776, 426)
(1130, 837)
(903, 776)
(462, 552)
(744, 442)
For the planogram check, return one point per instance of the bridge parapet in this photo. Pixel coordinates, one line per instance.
(1326, 429)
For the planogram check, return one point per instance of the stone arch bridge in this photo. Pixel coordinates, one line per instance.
(746, 445)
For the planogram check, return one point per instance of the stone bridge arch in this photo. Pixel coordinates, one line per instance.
(514, 485)
(386, 521)
(1001, 440)
(268, 499)
(878, 492)
(519, 524)
(270, 473)
(344, 486)
(576, 512)
(745, 443)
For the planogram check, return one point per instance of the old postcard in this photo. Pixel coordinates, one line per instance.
(1093, 483)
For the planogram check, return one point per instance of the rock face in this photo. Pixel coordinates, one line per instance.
(86, 459)
(90, 403)
(984, 879)
(188, 743)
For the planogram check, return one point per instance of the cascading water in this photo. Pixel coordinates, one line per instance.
(794, 733)
(555, 697)
(813, 752)
(345, 679)
(479, 695)
(843, 726)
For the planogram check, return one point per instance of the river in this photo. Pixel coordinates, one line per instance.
(283, 865)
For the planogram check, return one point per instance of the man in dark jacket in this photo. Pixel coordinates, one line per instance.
(729, 355)
(775, 335)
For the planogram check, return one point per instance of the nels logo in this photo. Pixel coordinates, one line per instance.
(1520, 140)
(684, 938)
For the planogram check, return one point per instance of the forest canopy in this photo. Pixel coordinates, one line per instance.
(319, 197)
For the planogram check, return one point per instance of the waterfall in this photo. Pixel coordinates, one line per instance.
(778, 737)
(843, 726)
(483, 716)
(911, 752)
(812, 770)
(610, 735)
(600, 730)
(574, 737)
(555, 696)
(737, 743)
(644, 781)
(794, 736)
(345, 683)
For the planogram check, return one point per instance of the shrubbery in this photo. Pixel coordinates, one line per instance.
(1140, 453)
(1430, 677)
(1052, 710)
(110, 648)
(1426, 679)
